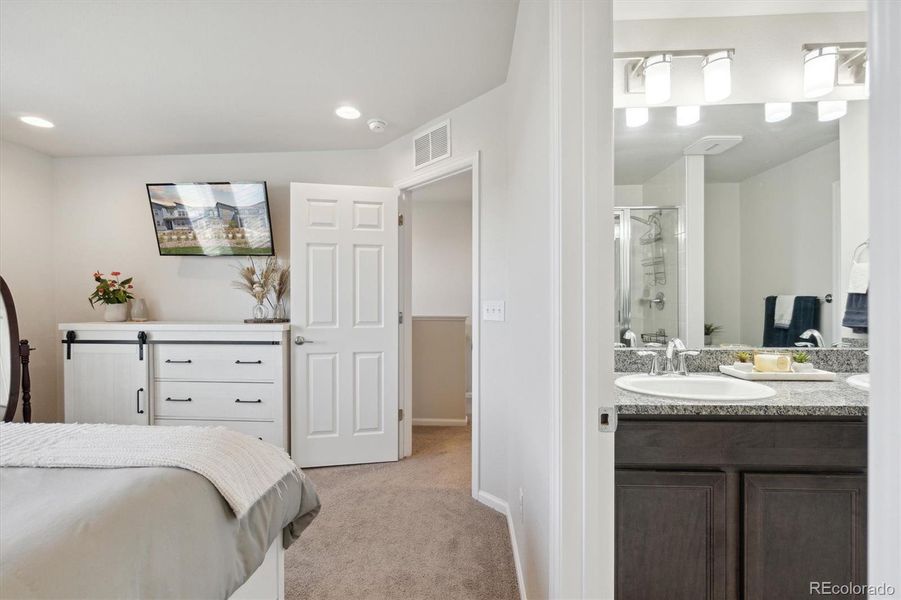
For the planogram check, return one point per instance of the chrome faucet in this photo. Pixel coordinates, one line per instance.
(819, 342)
(655, 362)
(675, 348)
(631, 338)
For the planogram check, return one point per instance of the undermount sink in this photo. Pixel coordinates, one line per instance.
(695, 387)
(861, 382)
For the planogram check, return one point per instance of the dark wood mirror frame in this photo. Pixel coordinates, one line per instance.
(18, 369)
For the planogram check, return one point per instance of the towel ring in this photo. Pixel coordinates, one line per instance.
(858, 251)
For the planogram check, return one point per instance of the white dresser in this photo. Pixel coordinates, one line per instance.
(179, 373)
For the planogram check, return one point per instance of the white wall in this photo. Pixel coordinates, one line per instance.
(786, 236)
(853, 221)
(442, 258)
(475, 126)
(722, 262)
(628, 195)
(767, 64)
(26, 263)
(102, 221)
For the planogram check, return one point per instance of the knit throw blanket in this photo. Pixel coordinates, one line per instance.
(242, 468)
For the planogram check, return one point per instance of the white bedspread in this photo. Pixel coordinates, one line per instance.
(240, 467)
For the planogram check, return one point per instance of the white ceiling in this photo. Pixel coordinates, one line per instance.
(642, 152)
(148, 77)
(456, 188)
(629, 10)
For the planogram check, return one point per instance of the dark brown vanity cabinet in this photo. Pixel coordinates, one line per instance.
(729, 509)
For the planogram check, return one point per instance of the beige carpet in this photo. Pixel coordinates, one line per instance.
(403, 530)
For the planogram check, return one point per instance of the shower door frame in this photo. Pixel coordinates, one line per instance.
(624, 284)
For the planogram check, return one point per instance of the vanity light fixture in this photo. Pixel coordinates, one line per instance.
(650, 72)
(687, 115)
(347, 112)
(717, 68)
(657, 78)
(777, 111)
(830, 110)
(636, 116)
(36, 122)
(819, 71)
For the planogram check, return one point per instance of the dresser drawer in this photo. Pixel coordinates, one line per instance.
(213, 400)
(225, 362)
(263, 430)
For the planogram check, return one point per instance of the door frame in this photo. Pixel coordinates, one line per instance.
(405, 358)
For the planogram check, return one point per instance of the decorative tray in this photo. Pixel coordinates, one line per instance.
(813, 375)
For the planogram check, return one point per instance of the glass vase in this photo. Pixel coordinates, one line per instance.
(260, 312)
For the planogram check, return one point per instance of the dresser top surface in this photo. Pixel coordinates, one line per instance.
(174, 326)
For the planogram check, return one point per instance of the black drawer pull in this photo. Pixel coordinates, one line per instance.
(257, 401)
(178, 399)
(179, 362)
(248, 362)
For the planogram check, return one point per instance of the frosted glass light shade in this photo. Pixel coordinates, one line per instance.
(717, 68)
(777, 111)
(830, 110)
(657, 78)
(636, 116)
(687, 115)
(819, 71)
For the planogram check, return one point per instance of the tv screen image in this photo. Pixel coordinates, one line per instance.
(211, 219)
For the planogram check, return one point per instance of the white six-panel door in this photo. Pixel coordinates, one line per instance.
(344, 291)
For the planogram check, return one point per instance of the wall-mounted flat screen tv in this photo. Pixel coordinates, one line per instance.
(211, 219)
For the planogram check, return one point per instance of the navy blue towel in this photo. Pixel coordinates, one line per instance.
(805, 315)
(856, 309)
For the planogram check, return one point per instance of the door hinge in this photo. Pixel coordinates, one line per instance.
(400, 414)
(400, 317)
(400, 219)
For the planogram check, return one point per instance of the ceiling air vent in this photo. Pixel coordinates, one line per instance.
(432, 146)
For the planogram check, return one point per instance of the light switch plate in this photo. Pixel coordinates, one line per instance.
(493, 310)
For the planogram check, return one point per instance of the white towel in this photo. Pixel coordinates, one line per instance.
(241, 467)
(785, 306)
(859, 278)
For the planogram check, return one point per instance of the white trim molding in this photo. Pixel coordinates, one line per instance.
(448, 168)
(502, 507)
(581, 523)
(884, 468)
(440, 422)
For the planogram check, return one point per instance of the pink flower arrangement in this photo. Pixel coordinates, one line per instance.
(111, 290)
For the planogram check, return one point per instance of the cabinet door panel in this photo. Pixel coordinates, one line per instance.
(801, 529)
(670, 535)
(106, 383)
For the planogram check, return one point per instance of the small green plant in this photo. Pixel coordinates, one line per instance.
(801, 357)
(111, 290)
(710, 328)
(743, 357)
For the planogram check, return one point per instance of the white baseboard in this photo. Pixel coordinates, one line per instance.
(502, 507)
(442, 422)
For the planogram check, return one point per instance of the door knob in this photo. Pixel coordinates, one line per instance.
(300, 340)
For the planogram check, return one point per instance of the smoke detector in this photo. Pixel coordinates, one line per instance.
(376, 125)
(712, 144)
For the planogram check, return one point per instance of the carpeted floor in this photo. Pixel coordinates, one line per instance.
(404, 530)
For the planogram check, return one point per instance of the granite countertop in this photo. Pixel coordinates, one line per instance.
(793, 398)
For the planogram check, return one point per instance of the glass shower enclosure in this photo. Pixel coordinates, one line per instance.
(646, 248)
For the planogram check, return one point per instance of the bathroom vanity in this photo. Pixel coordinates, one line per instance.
(751, 499)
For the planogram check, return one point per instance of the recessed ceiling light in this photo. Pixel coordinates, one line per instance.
(347, 112)
(36, 122)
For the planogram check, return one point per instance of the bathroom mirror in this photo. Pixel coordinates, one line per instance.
(714, 217)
